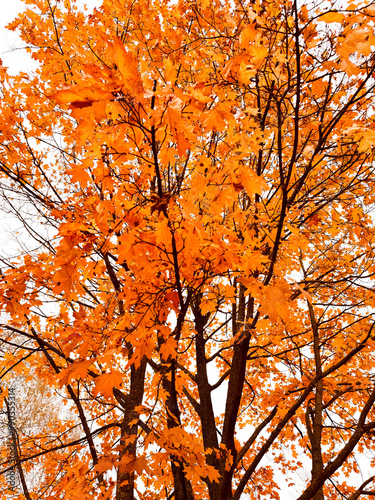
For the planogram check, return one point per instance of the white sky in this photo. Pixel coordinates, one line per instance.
(11, 53)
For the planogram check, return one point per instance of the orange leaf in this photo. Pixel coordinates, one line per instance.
(305, 294)
(79, 174)
(275, 303)
(332, 17)
(127, 66)
(168, 349)
(77, 370)
(81, 97)
(106, 382)
(248, 35)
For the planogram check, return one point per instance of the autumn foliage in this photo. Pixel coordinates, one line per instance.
(193, 186)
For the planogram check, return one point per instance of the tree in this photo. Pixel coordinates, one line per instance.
(30, 410)
(194, 187)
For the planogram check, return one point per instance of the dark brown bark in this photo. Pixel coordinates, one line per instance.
(361, 428)
(315, 432)
(129, 432)
(234, 394)
(182, 487)
(209, 433)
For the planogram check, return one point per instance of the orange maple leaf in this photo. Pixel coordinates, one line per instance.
(81, 97)
(275, 303)
(106, 382)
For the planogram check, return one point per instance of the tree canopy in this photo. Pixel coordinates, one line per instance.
(192, 184)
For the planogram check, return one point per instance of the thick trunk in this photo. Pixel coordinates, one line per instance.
(315, 433)
(182, 487)
(234, 394)
(206, 412)
(129, 433)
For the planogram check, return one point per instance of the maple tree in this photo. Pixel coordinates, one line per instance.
(194, 184)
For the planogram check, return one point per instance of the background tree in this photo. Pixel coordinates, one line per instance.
(195, 184)
(33, 412)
